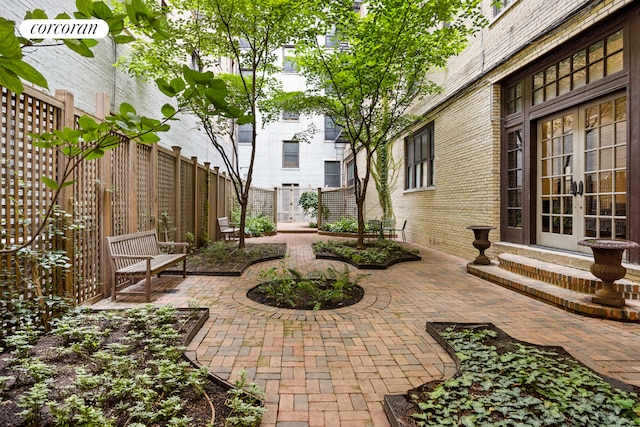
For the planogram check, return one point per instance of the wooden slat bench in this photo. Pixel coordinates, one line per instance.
(137, 256)
(228, 231)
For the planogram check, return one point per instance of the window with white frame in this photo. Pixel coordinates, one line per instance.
(290, 116)
(288, 64)
(419, 158)
(330, 39)
(290, 154)
(502, 6)
(332, 174)
(245, 133)
(331, 130)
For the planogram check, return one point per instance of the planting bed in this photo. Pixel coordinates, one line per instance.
(503, 382)
(111, 368)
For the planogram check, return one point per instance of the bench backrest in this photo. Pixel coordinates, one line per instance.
(140, 243)
(223, 222)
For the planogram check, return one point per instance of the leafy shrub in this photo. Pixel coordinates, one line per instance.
(309, 203)
(289, 287)
(256, 225)
(259, 225)
(345, 225)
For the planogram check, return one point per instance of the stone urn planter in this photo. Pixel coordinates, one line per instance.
(607, 266)
(481, 242)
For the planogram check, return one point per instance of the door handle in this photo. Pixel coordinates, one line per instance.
(580, 188)
(574, 188)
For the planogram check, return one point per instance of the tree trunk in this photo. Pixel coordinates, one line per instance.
(243, 202)
(360, 204)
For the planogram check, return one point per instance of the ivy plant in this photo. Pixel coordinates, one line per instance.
(527, 386)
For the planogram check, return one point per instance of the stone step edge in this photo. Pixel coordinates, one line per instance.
(572, 301)
(565, 277)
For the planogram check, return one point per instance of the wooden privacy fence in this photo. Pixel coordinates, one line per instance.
(134, 187)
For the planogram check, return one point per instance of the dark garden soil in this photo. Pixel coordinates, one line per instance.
(16, 380)
(228, 260)
(399, 408)
(303, 301)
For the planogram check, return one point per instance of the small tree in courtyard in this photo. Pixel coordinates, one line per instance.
(247, 32)
(379, 68)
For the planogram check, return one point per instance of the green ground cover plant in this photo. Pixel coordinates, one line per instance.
(287, 287)
(115, 368)
(522, 386)
(378, 252)
(225, 258)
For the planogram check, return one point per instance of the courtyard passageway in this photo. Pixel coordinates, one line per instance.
(332, 368)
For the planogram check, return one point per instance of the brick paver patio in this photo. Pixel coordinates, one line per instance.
(333, 368)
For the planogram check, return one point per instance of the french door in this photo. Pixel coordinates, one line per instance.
(582, 174)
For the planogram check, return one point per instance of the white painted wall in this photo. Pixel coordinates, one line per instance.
(268, 170)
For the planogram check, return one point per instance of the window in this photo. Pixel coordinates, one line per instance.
(332, 174)
(288, 65)
(290, 154)
(514, 98)
(331, 130)
(245, 133)
(585, 66)
(419, 158)
(351, 173)
(290, 116)
(514, 178)
(504, 5)
(330, 39)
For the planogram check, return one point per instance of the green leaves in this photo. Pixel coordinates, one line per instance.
(526, 386)
(12, 67)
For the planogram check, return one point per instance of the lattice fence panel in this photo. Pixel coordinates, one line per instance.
(23, 195)
(187, 198)
(203, 205)
(338, 204)
(87, 251)
(166, 197)
(261, 202)
(120, 183)
(145, 185)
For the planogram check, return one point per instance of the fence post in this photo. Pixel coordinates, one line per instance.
(134, 182)
(319, 207)
(275, 206)
(217, 201)
(65, 198)
(103, 109)
(177, 182)
(204, 227)
(153, 188)
(197, 232)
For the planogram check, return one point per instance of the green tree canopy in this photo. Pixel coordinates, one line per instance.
(379, 68)
(239, 40)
